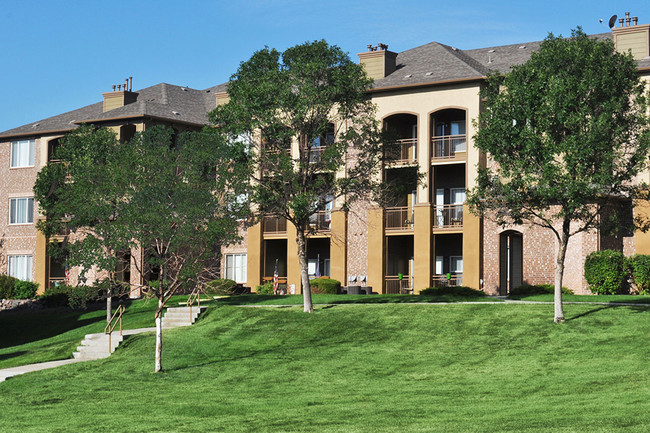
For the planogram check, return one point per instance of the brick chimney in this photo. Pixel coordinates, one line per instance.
(630, 36)
(378, 61)
(120, 96)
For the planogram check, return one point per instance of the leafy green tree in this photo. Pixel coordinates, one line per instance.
(176, 197)
(313, 96)
(566, 134)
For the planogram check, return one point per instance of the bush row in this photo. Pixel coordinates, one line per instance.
(609, 272)
(538, 289)
(13, 288)
(463, 291)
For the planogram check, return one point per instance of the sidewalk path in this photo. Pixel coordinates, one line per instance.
(15, 371)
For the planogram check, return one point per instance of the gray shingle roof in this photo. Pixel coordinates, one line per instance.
(434, 62)
(162, 101)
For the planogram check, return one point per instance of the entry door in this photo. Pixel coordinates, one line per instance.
(510, 262)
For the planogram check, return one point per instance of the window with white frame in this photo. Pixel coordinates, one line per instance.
(22, 153)
(20, 266)
(21, 210)
(236, 267)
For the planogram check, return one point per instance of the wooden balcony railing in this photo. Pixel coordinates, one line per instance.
(447, 216)
(447, 280)
(406, 153)
(394, 285)
(446, 146)
(274, 224)
(398, 218)
(321, 221)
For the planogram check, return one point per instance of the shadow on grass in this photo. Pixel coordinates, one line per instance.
(12, 355)
(597, 308)
(25, 326)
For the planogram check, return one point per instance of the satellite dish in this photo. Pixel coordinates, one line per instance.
(612, 21)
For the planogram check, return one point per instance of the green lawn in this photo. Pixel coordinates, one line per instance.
(359, 368)
(619, 299)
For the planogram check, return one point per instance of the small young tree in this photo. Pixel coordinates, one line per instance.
(177, 198)
(568, 133)
(311, 95)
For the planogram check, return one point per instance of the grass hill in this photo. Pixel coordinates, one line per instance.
(374, 367)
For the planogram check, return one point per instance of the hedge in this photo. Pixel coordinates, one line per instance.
(606, 272)
(220, 286)
(325, 285)
(639, 268)
(452, 290)
(13, 288)
(537, 289)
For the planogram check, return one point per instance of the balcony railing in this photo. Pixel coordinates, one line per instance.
(444, 281)
(448, 215)
(56, 281)
(321, 221)
(274, 224)
(398, 218)
(406, 153)
(316, 154)
(394, 285)
(446, 146)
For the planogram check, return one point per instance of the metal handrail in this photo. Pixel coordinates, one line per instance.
(195, 296)
(110, 326)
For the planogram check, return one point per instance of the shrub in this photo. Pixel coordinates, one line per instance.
(25, 290)
(7, 285)
(220, 286)
(325, 285)
(452, 290)
(538, 289)
(72, 296)
(606, 272)
(265, 289)
(639, 267)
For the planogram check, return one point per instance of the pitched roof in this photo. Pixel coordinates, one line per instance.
(162, 101)
(434, 63)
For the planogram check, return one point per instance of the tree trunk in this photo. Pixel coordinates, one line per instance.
(109, 305)
(158, 364)
(559, 271)
(308, 307)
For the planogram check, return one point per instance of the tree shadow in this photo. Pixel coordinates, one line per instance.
(597, 308)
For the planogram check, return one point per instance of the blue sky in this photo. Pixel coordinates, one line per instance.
(60, 55)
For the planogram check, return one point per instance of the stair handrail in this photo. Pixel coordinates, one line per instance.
(110, 326)
(195, 296)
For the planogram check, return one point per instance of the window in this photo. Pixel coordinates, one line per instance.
(21, 210)
(236, 267)
(21, 267)
(22, 153)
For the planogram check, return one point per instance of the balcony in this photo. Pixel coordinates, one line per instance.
(398, 218)
(316, 154)
(321, 221)
(394, 285)
(443, 281)
(405, 154)
(446, 146)
(274, 225)
(448, 216)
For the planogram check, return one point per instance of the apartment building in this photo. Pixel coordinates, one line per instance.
(428, 96)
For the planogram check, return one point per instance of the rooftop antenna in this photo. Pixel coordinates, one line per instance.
(612, 21)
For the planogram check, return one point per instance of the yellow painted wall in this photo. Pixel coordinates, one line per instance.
(472, 249)
(338, 243)
(376, 249)
(254, 256)
(293, 264)
(40, 262)
(422, 247)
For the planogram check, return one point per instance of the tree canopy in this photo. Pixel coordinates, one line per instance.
(175, 196)
(566, 134)
(314, 97)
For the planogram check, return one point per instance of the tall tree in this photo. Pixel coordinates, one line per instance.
(567, 133)
(311, 96)
(176, 197)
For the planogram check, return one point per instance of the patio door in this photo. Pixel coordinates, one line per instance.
(510, 261)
